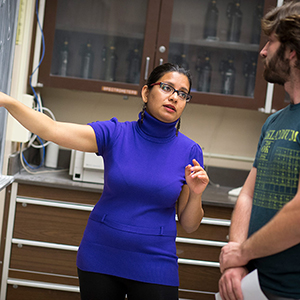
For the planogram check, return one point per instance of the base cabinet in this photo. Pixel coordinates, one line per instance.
(43, 232)
(42, 235)
(198, 254)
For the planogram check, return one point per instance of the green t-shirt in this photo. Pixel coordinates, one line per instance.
(278, 167)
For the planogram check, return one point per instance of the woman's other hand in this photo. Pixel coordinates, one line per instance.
(196, 177)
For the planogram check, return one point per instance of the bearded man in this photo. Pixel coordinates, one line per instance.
(265, 227)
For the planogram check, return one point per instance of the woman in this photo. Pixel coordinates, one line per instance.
(128, 245)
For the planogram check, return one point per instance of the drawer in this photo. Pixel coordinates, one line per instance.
(217, 212)
(199, 278)
(43, 277)
(206, 232)
(43, 192)
(50, 224)
(44, 260)
(17, 292)
(198, 252)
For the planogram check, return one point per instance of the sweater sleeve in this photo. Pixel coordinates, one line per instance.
(105, 132)
(196, 153)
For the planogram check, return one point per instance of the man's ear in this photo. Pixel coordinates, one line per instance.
(292, 54)
(145, 93)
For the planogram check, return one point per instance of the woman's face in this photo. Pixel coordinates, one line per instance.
(163, 106)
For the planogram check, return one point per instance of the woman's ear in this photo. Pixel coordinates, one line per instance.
(145, 93)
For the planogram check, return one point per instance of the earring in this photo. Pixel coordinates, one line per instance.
(143, 112)
(178, 126)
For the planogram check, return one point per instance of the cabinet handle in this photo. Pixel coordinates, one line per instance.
(161, 61)
(147, 67)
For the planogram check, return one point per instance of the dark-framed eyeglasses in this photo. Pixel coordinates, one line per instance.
(168, 89)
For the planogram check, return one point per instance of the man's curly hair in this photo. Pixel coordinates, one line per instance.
(284, 22)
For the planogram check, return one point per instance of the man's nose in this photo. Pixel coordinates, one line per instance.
(263, 52)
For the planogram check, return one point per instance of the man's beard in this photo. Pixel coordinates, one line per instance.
(277, 70)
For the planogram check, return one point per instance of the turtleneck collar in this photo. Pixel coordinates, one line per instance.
(155, 130)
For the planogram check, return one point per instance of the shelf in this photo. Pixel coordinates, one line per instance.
(113, 34)
(219, 44)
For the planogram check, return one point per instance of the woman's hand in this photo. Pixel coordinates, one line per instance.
(196, 178)
(189, 206)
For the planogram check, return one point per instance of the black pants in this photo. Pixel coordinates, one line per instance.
(95, 286)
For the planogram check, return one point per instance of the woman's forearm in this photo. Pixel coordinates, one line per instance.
(36, 122)
(190, 218)
(69, 135)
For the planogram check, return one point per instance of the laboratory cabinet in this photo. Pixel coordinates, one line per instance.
(43, 228)
(112, 46)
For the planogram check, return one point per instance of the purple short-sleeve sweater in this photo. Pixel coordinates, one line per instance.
(132, 229)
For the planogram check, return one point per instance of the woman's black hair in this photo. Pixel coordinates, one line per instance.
(161, 70)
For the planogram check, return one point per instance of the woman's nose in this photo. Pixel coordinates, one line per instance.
(174, 96)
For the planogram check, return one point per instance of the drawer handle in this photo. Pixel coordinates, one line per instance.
(52, 203)
(218, 222)
(200, 242)
(44, 244)
(43, 285)
(212, 221)
(201, 263)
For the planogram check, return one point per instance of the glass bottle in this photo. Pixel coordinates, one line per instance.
(250, 74)
(235, 16)
(204, 74)
(103, 63)
(63, 59)
(227, 70)
(87, 61)
(134, 66)
(211, 21)
(183, 62)
(111, 65)
(256, 24)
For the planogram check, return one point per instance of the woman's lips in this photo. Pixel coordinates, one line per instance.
(170, 107)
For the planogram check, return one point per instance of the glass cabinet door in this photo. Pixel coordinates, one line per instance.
(99, 39)
(219, 41)
(99, 45)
